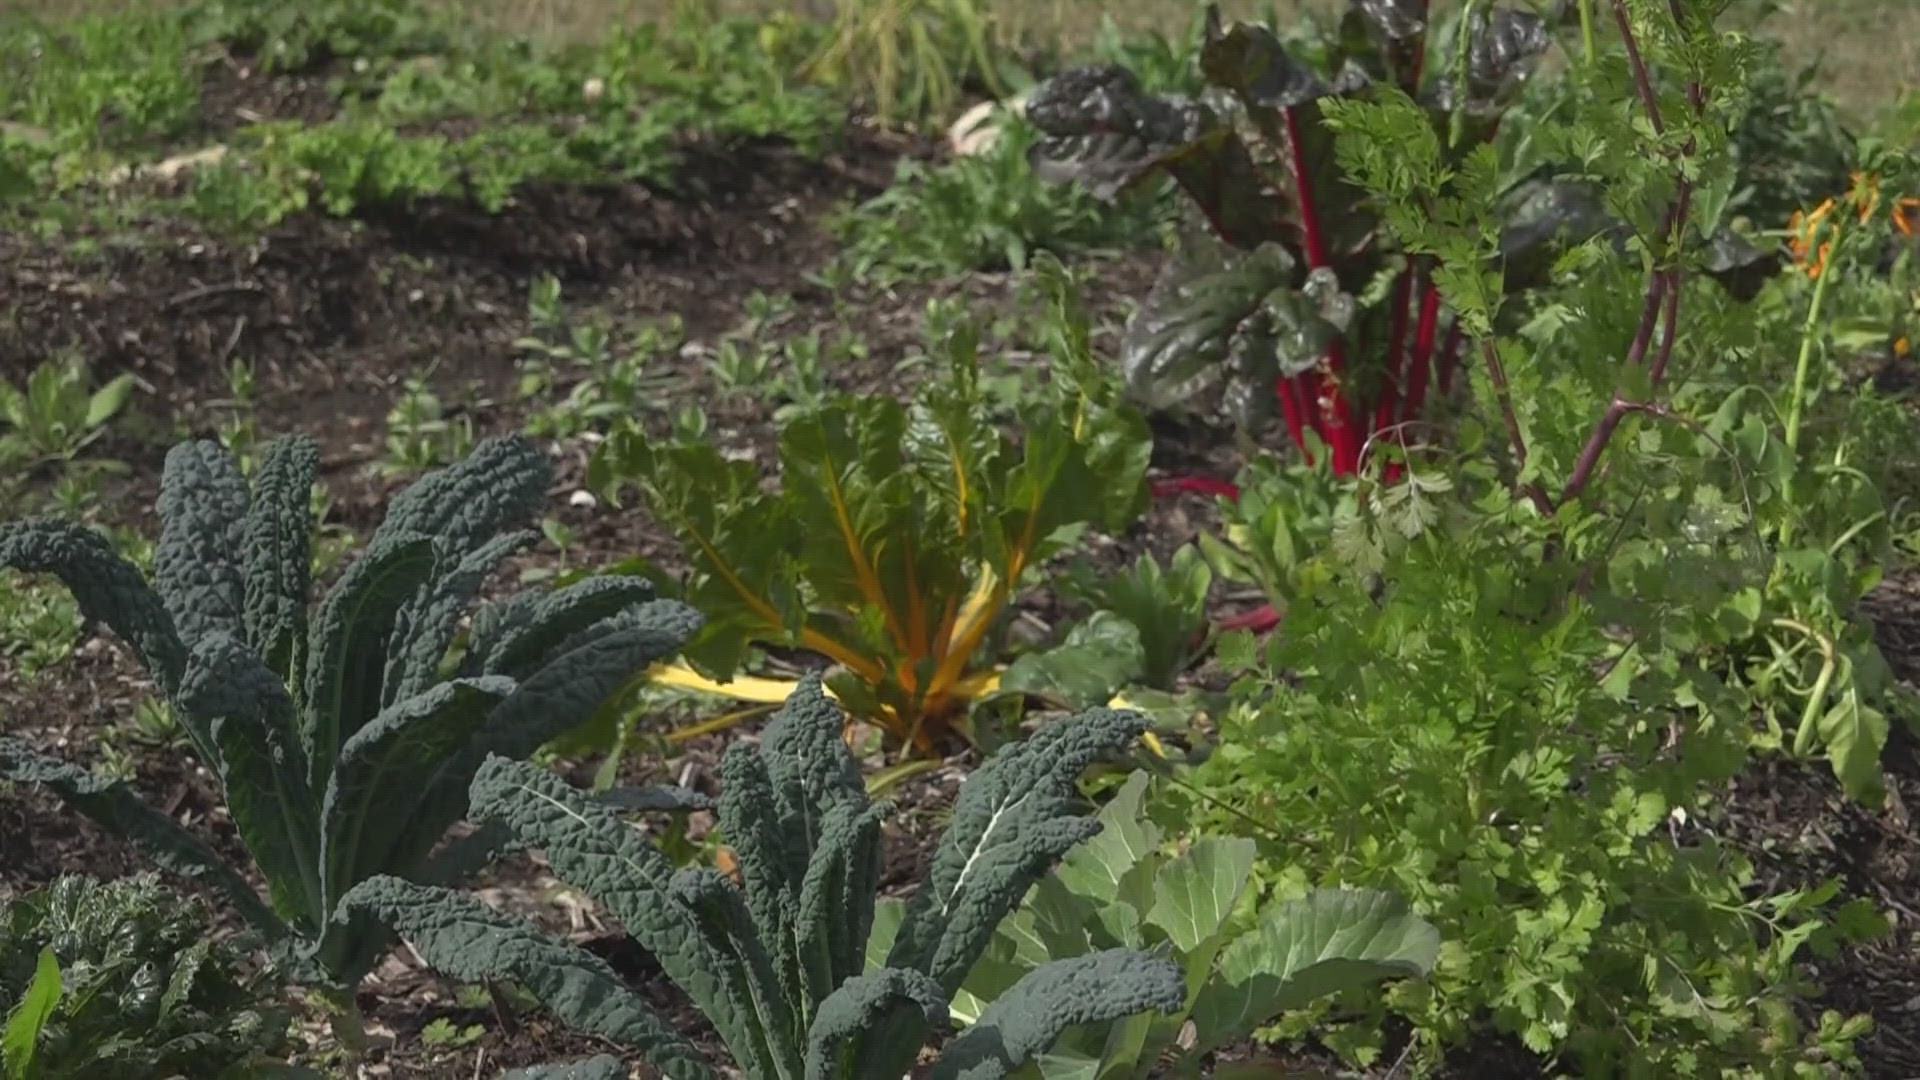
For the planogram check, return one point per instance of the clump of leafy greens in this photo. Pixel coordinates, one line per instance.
(1244, 963)
(789, 965)
(342, 739)
(1299, 290)
(122, 979)
(900, 532)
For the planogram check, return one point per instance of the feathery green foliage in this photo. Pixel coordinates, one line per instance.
(142, 992)
(341, 738)
(780, 963)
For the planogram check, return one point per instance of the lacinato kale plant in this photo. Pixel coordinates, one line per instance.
(343, 734)
(122, 979)
(787, 964)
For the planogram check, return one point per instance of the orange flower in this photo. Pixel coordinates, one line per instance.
(1865, 195)
(1806, 229)
(1902, 209)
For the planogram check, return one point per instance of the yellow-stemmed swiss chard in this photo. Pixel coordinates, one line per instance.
(897, 536)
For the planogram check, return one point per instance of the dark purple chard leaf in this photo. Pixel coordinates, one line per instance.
(1281, 95)
(1544, 218)
(1505, 48)
(1741, 267)
(1246, 320)
(1099, 129)
(1387, 39)
(1547, 216)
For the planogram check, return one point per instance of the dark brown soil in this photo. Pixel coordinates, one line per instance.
(336, 315)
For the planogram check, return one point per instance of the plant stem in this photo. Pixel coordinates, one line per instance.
(1829, 667)
(1586, 30)
(1497, 374)
(1796, 403)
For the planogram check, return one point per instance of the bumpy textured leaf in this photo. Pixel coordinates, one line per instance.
(1505, 46)
(108, 588)
(278, 540)
(425, 627)
(536, 628)
(468, 941)
(1324, 943)
(1097, 988)
(772, 1035)
(351, 632)
(117, 809)
(868, 1026)
(589, 846)
(598, 1067)
(1104, 132)
(498, 488)
(262, 770)
(375, 815)
(1013, 820)
(1216, 315)
(196, 563)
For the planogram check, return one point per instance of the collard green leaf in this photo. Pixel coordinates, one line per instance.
(278, 540)
(350, 636)
(1098, 658)
(115, 807)
(466, 940)
(262, 770)
(109, 590)
(1194, 895)
(873, 1025)
(1325, 943)
(196, 564)
(1013, 820)
(1097, 988)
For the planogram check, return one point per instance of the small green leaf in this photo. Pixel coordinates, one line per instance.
(107, 401)
(1098, 659)
(22, 1038)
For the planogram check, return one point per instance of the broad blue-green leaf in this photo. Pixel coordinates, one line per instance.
(1126, 837)
(549, 621)
(425, 628)
(1023, 1022)
(466, 940)
(497, 488)
(1327, 942)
